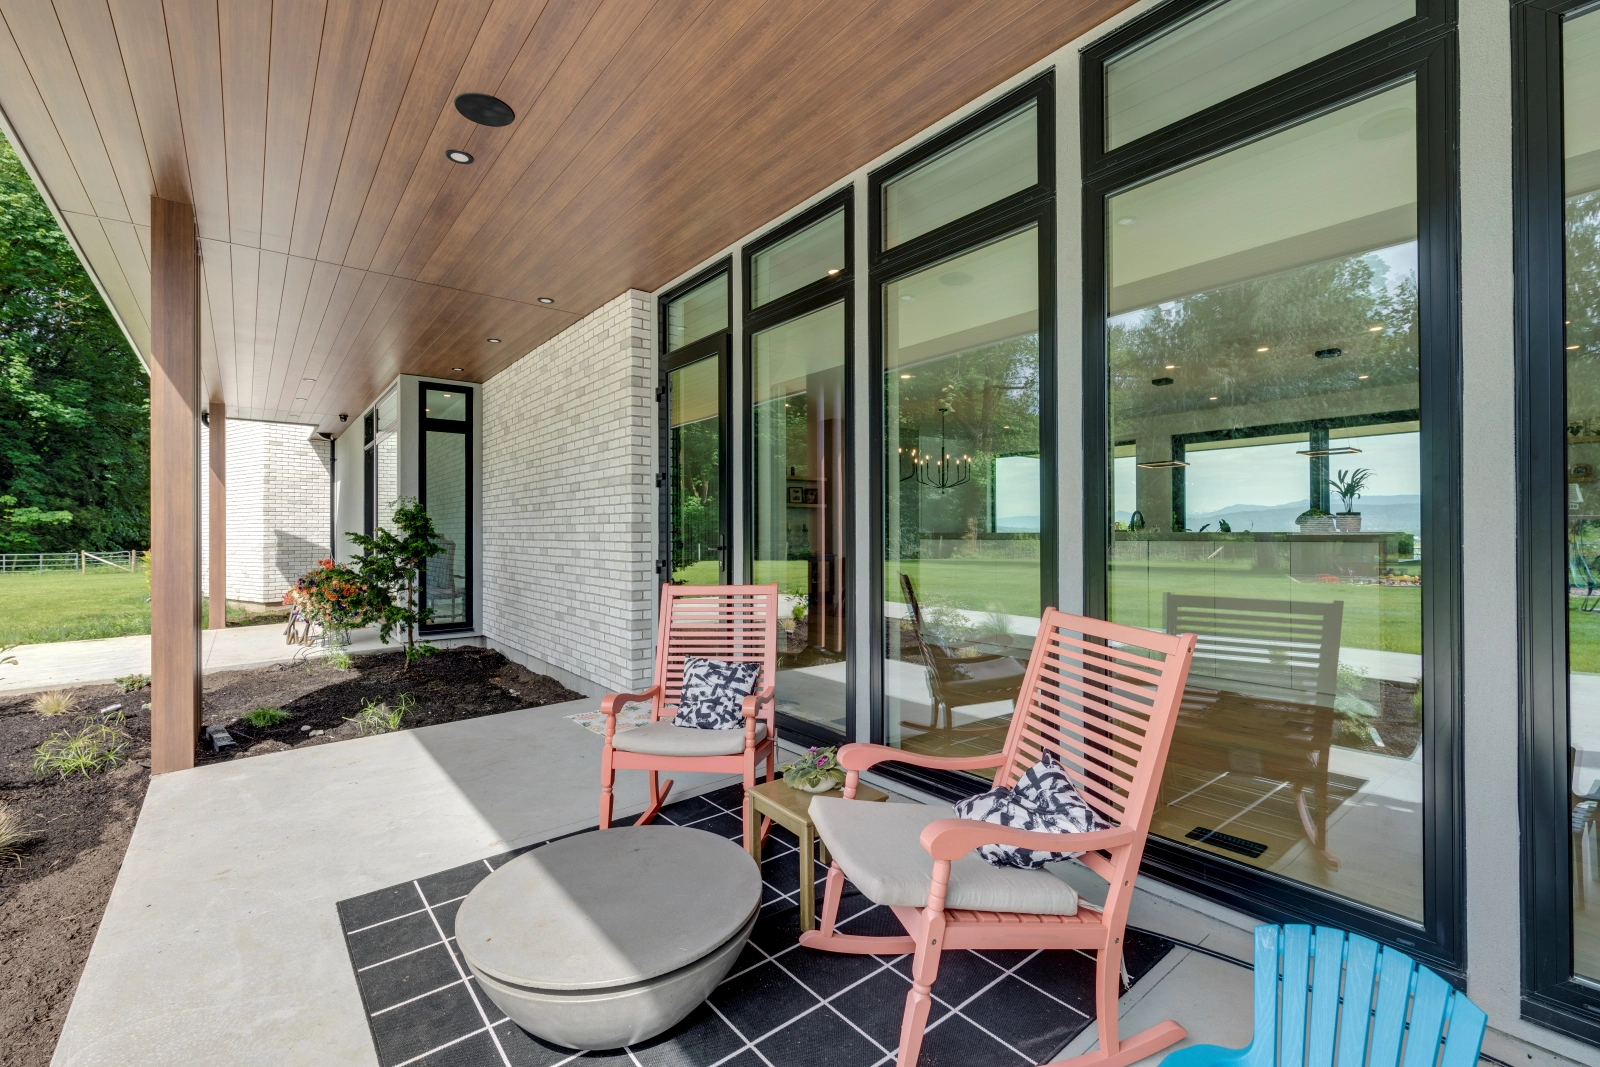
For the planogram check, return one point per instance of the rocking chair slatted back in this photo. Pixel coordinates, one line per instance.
(731, 623)
(1098, 696)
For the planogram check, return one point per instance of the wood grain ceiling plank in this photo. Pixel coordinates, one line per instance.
(323, 294)
(511, 188)
(120, 286)
(291, 83)
(92, 40)
(30, 119)
(700, 155)
(123, 238)
(146, 58)
(211, 383)
(346, 46)
(462, 56)
(355, 313)
(396, 45)
(246, 275)
(270, 284)
(245, 31)
(216, 296)
(291, 305)
(49, 62)
(551, 40)
(197, 74)
(357, 334)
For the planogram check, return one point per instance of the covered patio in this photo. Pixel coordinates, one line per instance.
(1193, 317)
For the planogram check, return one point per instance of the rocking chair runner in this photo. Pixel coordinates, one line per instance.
(731, 623)
(1097, 699)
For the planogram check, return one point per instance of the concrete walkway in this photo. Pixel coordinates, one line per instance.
(66, 663)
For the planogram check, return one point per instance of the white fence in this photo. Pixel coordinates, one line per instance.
(82, 562)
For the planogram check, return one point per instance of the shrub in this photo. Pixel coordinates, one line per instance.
(335, 597)
(391, 564)
(266, 716)
(341, 661)
(55, 702)
(379, 717)
(12, 834)
(93, 747)
(133, 682)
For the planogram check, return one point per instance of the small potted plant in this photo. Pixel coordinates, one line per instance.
(334, 597)
(1349, 484)
(1314, 521)
(817, 771)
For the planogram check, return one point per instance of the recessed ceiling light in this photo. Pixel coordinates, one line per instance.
(1126, 220)
(456, 155)
(1172, 366)
(905, 375)
(1361, 377)
(447, 396)
(1572, 348)
(1213, 398)
(546, 300)
(834, 270)
(485, 110)
(308, 379)
(1263, 348)
(458, 370)
(1374, 329)
(494, 340)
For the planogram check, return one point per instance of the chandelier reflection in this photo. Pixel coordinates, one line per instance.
(945, 472)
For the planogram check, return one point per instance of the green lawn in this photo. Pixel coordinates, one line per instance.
(68, 606)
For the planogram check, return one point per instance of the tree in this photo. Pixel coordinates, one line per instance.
(391, 566)
(74, 400)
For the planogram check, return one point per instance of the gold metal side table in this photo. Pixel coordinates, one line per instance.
(791, 809)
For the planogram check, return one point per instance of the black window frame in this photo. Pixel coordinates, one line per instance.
(1030, 208)
(814, 296)
(1422, 50)
(465, 428)
(1552, 995)
(718, 345)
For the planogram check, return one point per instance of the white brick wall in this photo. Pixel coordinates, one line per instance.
(277, 507)
(568, 467)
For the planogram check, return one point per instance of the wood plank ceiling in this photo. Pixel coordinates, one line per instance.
(341, 247)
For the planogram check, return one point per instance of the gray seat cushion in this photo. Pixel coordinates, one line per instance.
(661, 738)
(879, 848)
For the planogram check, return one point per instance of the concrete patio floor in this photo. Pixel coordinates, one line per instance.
(221, 943)
(109, 658)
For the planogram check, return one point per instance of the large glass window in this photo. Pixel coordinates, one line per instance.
(1581, 86)
(990, 165)
(383, 466)
(1225, 48)
(698, 313)
(695, 446)
(1266, 492)
(799, 504)
(961, 473)
(816, 253)
(446, 493)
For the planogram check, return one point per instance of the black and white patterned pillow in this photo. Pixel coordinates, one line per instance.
(1044, 800)
(713, 693)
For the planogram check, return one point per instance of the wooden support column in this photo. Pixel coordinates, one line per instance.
(174, 486)
(219, 516)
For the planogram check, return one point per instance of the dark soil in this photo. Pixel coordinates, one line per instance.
(53, 894)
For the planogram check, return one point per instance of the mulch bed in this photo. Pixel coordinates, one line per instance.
(53, 894)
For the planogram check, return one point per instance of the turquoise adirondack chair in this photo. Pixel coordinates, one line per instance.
(1314, 1026)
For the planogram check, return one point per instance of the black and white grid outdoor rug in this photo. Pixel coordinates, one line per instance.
(781, 1005)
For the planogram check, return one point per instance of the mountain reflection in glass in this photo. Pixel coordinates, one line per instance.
(1266, 492)
(962, 515)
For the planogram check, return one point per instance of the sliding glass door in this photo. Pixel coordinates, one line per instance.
(800, 526)
(696, 345)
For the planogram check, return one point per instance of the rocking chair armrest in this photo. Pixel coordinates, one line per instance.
(612, 703)
(753, 702)
(863, 757)
(950, 839)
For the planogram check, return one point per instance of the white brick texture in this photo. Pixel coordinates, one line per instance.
(568, 462)
(277, 507)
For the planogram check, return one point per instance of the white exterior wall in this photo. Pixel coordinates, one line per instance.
(569, 456)
(278, 477)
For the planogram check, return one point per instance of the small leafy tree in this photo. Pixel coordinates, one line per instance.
(392, 562)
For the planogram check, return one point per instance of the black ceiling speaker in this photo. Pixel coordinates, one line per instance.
(485, 110)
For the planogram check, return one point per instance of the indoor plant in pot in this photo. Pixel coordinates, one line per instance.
(816, 772)
(1348, 484)
(1314, 521)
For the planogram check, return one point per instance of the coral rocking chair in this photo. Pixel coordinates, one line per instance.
(730, 623)
(1103, 699)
